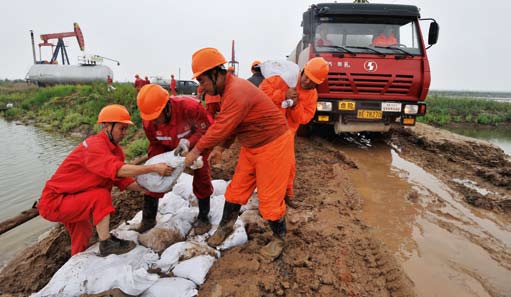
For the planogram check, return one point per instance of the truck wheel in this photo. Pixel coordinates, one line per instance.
(304, 130)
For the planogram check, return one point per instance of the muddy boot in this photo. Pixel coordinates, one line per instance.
(202, 224)
(290, 202)
(148, 215)
(114, 245)
(226, 226)
(273, 249)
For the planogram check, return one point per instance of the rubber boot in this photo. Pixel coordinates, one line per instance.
(226, 227)
(114, 245)
(148, 215)
(290, 202)
(273, 249)
(202, 225)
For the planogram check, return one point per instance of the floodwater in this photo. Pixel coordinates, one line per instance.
(29, 157)
(447, 247)
(500, 136)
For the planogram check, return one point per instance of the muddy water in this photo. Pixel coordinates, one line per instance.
(447, 247)
(28, 158)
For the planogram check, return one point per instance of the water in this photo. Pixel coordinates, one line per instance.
(500, 136)
(29, 157)
(446, 247)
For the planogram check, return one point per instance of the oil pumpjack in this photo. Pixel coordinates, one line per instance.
(49, 72)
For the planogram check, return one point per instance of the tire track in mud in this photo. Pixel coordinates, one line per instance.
(329, 251)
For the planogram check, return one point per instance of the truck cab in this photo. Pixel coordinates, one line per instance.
(379, 72)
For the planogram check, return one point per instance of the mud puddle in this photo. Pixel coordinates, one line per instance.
(446, 247)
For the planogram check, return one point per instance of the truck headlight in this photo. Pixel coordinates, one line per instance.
(411, 109)
(324, 106)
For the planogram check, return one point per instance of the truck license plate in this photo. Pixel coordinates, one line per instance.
(346, 105)
(369, 114)
(391, 106)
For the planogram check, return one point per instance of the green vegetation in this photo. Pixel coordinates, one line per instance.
(442, 111)
(70, 108)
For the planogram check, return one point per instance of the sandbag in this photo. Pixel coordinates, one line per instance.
(287, 70)
(162, 184)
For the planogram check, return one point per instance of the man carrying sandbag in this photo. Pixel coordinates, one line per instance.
(174, 123)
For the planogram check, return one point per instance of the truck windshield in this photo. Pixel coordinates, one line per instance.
(390, 36)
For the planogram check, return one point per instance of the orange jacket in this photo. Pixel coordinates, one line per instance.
(302, 112)
(247, 113)
(383, 40)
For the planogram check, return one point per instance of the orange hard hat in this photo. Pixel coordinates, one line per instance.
(205, 59)
(317, 69)
(114, 113)
(151, 100)
(256, 62)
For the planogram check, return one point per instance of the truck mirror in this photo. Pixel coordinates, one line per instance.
(434, 29)
(306, 23)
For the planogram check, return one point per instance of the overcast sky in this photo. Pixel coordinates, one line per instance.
(158, 37)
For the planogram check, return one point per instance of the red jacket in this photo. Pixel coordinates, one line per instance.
(92, 164)
(139, 83)
(188, 119)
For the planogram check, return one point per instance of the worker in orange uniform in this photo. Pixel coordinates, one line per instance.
(146, 81)
(301, 103)
(172, 85)
(266, 152)
(257, 77)
(386, 37)
(139, 83)
(175, 123)
(81, 187)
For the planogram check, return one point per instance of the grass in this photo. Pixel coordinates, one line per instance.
(443, 111)
(70, 108)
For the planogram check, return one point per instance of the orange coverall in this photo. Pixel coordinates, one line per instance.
(299, 114)
(267, 146)
(81, 188)
(382, 40)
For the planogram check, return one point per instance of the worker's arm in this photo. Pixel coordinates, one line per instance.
(275, 88)
(305, 108)
(128, 170)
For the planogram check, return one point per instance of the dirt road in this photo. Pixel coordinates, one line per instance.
(347, 237)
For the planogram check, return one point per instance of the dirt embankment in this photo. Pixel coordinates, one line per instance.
(480, 164)
(330, 251)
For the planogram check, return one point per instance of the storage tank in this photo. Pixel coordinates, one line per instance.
(50, 74)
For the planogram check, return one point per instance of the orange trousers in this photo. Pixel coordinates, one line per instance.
(267, 168)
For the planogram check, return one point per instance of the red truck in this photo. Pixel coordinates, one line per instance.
(379, 71)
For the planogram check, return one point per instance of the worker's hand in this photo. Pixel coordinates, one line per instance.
(163, 169)
(182, 147)
(191, 156)
(215, 157)
(291, 94)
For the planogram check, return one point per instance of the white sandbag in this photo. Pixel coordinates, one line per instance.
(287, 70)
(194, 269)
(183, 251)
(162, 184)
(184, 187)
(86, 273)
(216, 209)
(237, 238)
(172, 287)
(219, 186)
(171, 203)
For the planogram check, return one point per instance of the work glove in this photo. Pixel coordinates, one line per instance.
(182, 147)
(197, 164)
(287, 103)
